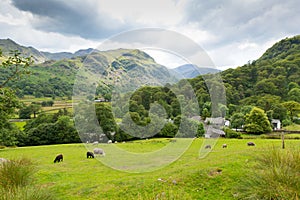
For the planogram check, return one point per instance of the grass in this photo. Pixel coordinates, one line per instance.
(276, 175)
(293, 127)
(17, 181)
(214, 177)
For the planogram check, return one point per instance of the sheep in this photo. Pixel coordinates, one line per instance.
(99, 151)
(58, 158)
(250, 144)
(109, 142)
(95, 143)
(224, 146)
(208, 146)
(90, 154)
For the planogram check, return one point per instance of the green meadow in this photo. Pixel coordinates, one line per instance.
(216, 176)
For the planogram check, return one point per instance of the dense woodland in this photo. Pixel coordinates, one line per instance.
(261, 90)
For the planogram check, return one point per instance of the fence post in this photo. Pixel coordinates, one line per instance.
(282, 140)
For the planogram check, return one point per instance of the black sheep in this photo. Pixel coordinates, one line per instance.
(89, 155)
(58, 158)
(250, 144)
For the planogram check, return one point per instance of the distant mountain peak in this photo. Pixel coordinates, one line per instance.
(192, 71)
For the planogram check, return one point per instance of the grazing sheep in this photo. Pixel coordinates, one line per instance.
(99, 151)
(224, 146)
(95, 143)
(250, 144)
(109, 142)
(58, 158)
(208, 146)
(89, 155)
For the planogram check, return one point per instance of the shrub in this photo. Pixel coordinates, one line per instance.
(296, 120)
(286, 122)
(276, 175)
(231, 133)
(16, 173)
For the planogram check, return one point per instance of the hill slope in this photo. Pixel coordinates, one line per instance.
(128, 67)
(272, 74)
(267, 82)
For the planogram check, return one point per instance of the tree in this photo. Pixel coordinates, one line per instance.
(200, 130)
(27, 111)
(292, 107)
(169, 130)
(257, 122)
(14, 67)
(189, 128)
(35, 108)
(294, 94)
(205, 113)
(106, 119)
(49, 132)
(237, 120)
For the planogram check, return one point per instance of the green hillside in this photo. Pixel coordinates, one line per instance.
(276, 73)
(270, 83)
(53, 78)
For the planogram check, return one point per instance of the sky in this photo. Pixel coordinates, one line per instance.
(231, 32)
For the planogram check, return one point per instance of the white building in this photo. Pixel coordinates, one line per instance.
(276, 124)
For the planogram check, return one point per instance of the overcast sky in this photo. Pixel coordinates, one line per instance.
(232, 32)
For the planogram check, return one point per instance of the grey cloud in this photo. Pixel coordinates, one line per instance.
(80, 18)
(238, 20)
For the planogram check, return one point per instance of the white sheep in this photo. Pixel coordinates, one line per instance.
(99, 151)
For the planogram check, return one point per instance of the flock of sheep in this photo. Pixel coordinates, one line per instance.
(99, 151)
(89, 154)
(208, 146)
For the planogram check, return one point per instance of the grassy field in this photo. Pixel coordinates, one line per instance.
(214, 177)
(294, 127)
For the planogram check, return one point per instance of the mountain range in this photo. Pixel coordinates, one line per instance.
(53, 74)
(7, 45)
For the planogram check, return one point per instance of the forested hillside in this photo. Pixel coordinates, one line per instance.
(276, 73)
(270, 83)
